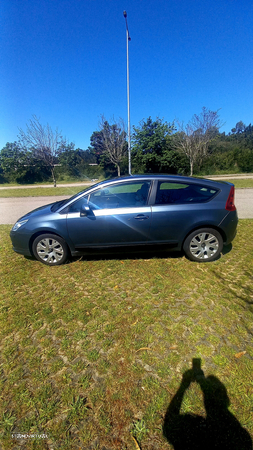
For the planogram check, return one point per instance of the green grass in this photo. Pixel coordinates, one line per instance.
(41, 192)
(92, 352)
(243, 183)
(63, 180)
(238, 183)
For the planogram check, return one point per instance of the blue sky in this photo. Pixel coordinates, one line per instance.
(65, 62)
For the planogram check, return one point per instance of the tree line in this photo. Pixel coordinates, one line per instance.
(197, 148)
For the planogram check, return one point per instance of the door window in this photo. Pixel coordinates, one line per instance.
(122, 195)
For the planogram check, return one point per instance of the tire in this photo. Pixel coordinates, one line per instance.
(50, 249)
(203, 245)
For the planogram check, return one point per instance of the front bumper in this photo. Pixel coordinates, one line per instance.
(20, 243)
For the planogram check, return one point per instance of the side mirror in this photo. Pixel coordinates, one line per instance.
(85, 210)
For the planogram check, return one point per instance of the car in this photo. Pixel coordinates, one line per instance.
(197, 216)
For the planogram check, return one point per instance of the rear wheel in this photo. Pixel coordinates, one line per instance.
(50, 250)
(203, 245)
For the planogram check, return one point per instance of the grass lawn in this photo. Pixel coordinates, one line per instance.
(243, 183)
(41, 192)
(93, 352)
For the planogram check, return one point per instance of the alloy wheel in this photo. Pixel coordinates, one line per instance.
(50, 251)
(204, 245)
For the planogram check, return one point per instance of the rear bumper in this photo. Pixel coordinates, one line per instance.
(229, 226)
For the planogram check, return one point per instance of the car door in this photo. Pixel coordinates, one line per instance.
(118, 215)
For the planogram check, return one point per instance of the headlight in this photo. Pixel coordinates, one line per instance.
(19, 224)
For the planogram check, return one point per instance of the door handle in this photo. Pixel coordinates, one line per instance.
(141, 217)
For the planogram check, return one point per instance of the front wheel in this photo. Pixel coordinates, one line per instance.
(203, 245)
(50, 249)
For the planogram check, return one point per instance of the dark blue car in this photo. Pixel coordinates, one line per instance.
(194, 215)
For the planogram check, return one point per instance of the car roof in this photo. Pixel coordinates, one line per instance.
(178, 178)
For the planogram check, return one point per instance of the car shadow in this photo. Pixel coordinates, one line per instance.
(133, 253)
(116, 254)
(30, 258)
(219, 430)
(227, 249)
(130, 253)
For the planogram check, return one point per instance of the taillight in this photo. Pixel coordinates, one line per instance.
(230, 206)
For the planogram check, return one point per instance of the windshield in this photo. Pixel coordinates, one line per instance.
(61, 203)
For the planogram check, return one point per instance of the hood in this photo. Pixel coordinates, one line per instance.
(39, 211)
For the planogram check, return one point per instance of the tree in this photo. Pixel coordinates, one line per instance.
(19, 165)
(193, 139)
(245, 159)
(109, 145)
(44, 143)
(113, 141)
(97, 148)
(239, 128)
(151, 142)
(13, 160)
(75, 162)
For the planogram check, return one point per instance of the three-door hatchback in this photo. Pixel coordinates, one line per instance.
(195, 215)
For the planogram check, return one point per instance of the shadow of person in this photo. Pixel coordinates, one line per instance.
(219, 430)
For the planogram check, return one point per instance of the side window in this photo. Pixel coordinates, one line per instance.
(76, 206)
(177, 193)
(122, 195)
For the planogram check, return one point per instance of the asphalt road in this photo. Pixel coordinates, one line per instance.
(11, 209)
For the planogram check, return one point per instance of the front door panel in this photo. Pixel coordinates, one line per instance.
(116, 226)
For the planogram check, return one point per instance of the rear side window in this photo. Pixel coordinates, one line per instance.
(176, 193)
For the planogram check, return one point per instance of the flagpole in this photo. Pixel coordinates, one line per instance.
(128, 97)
